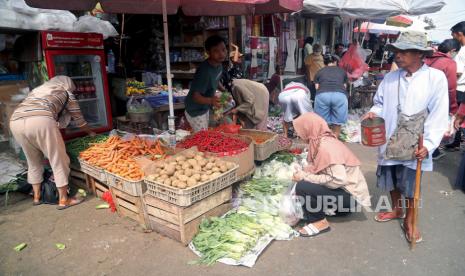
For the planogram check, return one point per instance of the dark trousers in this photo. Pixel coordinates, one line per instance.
(316, 196)
(458, 134)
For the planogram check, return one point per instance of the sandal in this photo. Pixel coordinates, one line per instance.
(383, 217)
(312, 231)
(36, 201)
(407, 237)
(69, 203)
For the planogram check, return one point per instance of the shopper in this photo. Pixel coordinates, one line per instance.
(412, 100)
(308, 49)
(313, 63)
(331, 101)
(252, 101)
(333, 175)
(35, 126)
(442, 60)
(273, 85)
(458, 33)
(294, 101)
(339, 50)
(460, 181)
(232, 69)
(201, 96)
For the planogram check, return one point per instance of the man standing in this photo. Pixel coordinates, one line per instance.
(203, 88)
(458, 33)
(339, 50)
(412, 100)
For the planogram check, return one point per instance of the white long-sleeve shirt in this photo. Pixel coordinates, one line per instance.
(424, 89)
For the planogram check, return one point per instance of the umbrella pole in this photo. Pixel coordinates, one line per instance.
(171, 126)
(416, 197)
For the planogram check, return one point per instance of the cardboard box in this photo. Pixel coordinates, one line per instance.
(245, 159)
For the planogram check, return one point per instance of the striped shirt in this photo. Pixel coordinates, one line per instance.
(49, 106)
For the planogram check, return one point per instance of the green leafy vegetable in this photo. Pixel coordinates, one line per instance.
(60, 246)
(20, 247)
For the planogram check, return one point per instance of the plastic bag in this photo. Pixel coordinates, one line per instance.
(353, 63)
(90, 24)
(138, 105)
(290, 209)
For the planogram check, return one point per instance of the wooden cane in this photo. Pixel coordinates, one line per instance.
(416, 196)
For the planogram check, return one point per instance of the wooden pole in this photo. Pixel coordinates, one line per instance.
(416, 196)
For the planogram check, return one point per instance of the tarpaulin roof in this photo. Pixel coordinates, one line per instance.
(367, 9)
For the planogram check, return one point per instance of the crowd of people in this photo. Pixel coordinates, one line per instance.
(418, 99)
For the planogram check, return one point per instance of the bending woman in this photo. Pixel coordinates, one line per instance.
(333, 175)
(35, 126)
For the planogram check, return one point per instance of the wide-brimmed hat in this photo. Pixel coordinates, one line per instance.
(411, 40)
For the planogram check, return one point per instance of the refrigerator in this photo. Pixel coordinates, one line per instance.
(81, 57)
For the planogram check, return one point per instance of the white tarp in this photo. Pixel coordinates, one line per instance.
(16, 14)
(366, 9)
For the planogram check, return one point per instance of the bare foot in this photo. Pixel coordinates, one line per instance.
(387, 216)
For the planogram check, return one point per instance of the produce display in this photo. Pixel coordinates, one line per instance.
(189, 169)
(225, 100)
(284, 157)
(213, 141)
(258, 137)
(116, 155)
(134, 87)
(284, 142)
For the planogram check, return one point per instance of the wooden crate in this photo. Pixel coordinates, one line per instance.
(182, 223)
(130, 206)
(79, 179)
(96, 187)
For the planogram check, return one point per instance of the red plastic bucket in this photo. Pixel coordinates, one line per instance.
(373, 132)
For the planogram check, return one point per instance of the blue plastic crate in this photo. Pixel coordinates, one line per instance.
(158, 100)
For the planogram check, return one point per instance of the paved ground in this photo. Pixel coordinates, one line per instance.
(101, 243)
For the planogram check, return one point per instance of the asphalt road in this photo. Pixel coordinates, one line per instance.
(101, 243)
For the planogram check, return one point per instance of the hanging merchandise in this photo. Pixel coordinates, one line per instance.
(290, 61)
(273, 44)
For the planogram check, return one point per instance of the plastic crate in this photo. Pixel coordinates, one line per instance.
(264, 150)
(95, 172)
(131, 187)
(188, 196)
(158, 100)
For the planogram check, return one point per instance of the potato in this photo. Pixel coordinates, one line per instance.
(196, 177)
(191, 182)
(151, 177)
(204, 177)
(170, 170)
(164, 176)
(202, 162)
(162, 172)
(230, 165)
(178, 167)
(188, 172)
(215, 175)
(174, 183)
(197, 168)
(186, 166)
(159, 165)
(182, 185)
(183, 178)
(209, 166)
(215, 169)
(180, 159)
(167, 182)
(160, 180)
(198, 158)
(208, 172)
(193, 162)
(223, 168)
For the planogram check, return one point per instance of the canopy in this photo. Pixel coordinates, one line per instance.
(366, 9)
(374, 28)
(189, 7)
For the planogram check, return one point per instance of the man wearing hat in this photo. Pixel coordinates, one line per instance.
(412, 100)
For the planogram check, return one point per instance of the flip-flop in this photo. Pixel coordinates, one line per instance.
(312, 231)
(78, 201)
(420, 239)
(378, 219)
(36, 203)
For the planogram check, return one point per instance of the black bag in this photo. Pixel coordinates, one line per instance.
(48, 190)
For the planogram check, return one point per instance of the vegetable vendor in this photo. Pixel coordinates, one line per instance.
(201, 96)
(252, 101)
(333, 175)
(412, 100)
(35, 125)
(295, 101)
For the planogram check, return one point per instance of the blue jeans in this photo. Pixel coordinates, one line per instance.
(333, 107)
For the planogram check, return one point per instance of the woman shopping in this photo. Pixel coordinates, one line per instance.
(333, 175)
(35, 125)
(331, 101)
(295, 101)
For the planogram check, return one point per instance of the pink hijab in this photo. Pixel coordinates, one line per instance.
(324, 149)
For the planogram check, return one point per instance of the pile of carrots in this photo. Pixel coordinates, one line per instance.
(116, 155)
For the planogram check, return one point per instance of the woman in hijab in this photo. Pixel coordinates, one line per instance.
(35, 125)
(331, 181)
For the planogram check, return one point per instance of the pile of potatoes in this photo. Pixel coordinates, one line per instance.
(189, 169)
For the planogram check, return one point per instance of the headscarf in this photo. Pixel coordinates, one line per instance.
(57, 84)
(324, 149)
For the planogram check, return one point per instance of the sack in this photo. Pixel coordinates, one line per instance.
(290, 208)
(48, 190)
(403, 142)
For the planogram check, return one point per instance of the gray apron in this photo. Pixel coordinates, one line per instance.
(404, 141)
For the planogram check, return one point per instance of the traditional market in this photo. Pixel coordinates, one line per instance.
(240, 137)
